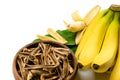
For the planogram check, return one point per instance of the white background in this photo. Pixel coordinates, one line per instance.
(21, 20)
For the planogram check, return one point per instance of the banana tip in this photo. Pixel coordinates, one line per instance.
(95, 66)
(80, 65)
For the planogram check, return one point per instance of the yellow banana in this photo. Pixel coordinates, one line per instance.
(93, 43)
(106, 57)
(115, 74)
(88, 31)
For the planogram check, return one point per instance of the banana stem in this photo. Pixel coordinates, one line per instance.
(115, 7)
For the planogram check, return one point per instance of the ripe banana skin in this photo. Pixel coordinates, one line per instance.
(93, 43)
(106, 57)
(88, 31)
(76, 17)
(115, 74)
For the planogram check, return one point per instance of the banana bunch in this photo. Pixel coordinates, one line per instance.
(98, 48)
(92, 40)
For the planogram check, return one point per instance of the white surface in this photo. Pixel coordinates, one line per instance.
(21, 20)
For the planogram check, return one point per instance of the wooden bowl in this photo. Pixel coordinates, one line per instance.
(17, 76)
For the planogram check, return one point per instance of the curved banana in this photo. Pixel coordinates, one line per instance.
(115, 75)
(88, 31)
(106, 57)
(93, 43)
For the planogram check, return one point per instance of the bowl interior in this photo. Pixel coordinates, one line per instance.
(71, 56)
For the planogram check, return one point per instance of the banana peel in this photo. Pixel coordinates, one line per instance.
(91, 14)
(79, 36)
(76, 17)
(56, 36)
(45, 38)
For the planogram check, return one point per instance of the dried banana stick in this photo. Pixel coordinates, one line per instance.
(29, 76)
(23, 72)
